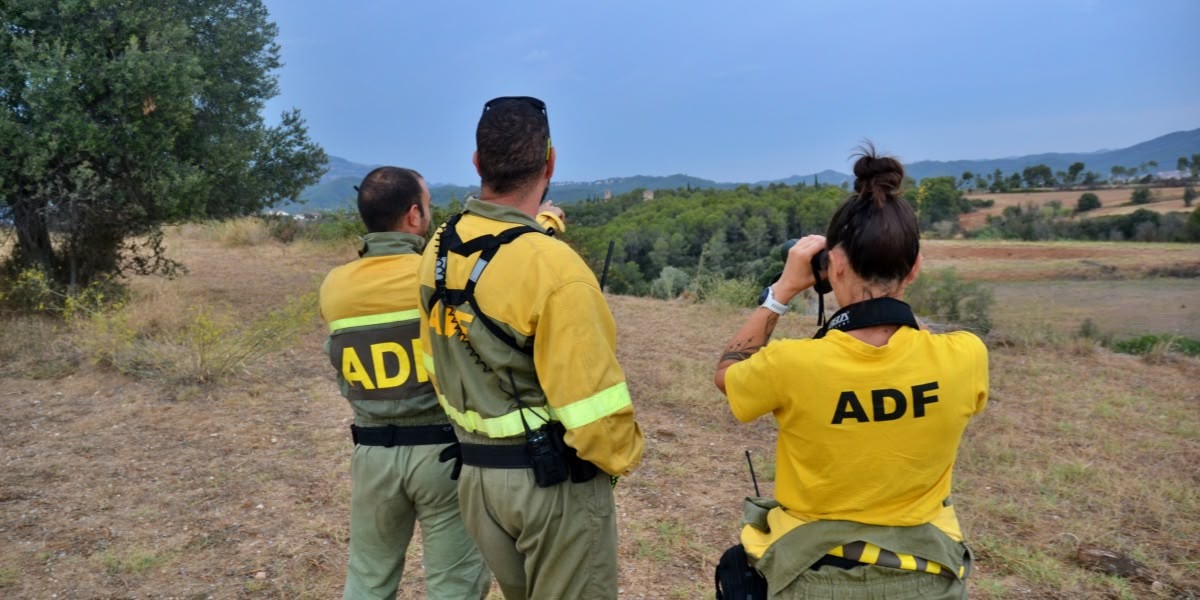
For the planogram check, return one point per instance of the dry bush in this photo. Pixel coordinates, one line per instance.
(234, 233)
(203, 346)
(32, 345)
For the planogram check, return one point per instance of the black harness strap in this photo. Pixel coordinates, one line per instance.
(868, 313)
(487, 245)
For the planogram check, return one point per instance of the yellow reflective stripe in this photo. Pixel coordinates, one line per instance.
(870, 554)
(934, 568)
(594, 407)
(428, 360)
(908, 562)
(497, 427)
(402, 315)
(838, 552)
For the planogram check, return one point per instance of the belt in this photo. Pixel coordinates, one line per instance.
(511, 456)
(393, 435)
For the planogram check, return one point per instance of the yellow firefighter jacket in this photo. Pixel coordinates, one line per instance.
(374, 333)
(539, 292)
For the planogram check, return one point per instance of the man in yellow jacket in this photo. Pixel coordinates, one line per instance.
(521, 344)
(399, 430)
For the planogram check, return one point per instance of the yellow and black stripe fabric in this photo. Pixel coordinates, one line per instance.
(868, 553)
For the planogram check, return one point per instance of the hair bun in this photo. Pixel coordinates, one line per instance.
(878, 176)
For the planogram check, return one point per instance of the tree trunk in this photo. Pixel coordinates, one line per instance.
(33, 236)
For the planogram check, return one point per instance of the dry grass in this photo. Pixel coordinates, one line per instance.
(232, 233)
(1047, 289)
(115, 486)
(1112, 202)
(1006, 260)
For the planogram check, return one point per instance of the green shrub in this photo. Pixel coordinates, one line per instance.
(944, 297)
(741, 292)
(33, 292)
(29, 291)
(1141, 196)
(1147, 344)
(336, 226)
(1087, 201)
(670, 283)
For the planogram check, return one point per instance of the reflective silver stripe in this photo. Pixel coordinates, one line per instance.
(480, 265)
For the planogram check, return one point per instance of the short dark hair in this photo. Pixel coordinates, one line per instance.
(876, 228)
(385, 196)
(513, 140)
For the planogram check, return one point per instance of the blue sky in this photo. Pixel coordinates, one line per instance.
(739, 91)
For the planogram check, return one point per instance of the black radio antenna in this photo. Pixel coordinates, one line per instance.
(752, 477)
(607, 260)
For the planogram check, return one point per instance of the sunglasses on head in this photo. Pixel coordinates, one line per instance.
(531, 101)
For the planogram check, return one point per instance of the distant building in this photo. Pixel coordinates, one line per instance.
(647, 195)
(608, 194)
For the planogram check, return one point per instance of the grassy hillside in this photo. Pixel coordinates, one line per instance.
(126, 479)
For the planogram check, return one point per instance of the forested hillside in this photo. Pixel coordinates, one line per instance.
(695, 239)
(697, 233)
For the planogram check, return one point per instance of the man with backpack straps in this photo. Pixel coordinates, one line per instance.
(521, 346)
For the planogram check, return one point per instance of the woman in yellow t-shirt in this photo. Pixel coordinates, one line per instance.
(870, 410)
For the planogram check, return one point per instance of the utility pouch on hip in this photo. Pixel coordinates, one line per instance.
(547, 452)
(581, 470)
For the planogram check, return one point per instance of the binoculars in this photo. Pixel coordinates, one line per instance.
(819, 264)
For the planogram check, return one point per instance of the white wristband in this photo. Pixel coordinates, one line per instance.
(773, 305)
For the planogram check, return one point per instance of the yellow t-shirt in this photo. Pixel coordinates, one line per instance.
(866, 434)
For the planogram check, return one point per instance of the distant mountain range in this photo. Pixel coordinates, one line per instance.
(336, 188)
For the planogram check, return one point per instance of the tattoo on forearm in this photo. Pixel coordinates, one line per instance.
(741, 349)
(738, 356)
(769, 326)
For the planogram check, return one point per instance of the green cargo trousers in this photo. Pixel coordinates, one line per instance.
(869, 582)
(552, 543)
(392, 488)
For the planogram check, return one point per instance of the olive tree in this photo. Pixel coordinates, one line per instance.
(117, 116)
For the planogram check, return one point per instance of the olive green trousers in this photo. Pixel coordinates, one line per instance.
(552, 543)
(392, 489)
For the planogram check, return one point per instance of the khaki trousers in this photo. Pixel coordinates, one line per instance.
(869, 582)
(392, 488)
(552, 543)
